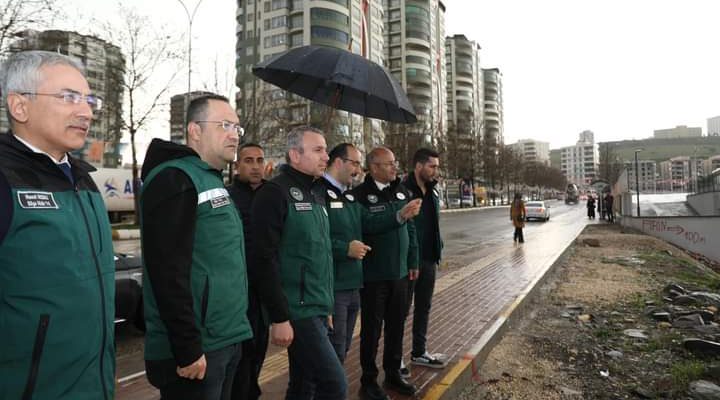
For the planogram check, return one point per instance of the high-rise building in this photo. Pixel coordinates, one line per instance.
(678, 174)
(579, 163)
(533, 151)
(648, 175)
(680, 131)
(493, 108)
(415, 54)
(713, 126)
(178, 106)
(265, 29)
(464, 106)
(104, 69)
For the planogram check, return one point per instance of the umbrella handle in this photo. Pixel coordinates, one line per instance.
(333, 107)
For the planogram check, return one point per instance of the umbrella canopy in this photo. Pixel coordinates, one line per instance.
(339, 79)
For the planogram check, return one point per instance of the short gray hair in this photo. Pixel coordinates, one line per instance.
(21, 71)
(295, 139)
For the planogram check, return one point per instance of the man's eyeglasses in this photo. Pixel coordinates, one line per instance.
(353, 162)
(394, 163)
(72, 97)
(227, 126)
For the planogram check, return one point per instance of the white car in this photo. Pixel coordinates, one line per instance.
(537, 210)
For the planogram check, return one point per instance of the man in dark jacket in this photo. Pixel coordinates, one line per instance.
(386, 269)
(421, 182)
(56, 254)
(194, 282)
(292, 255)
(249, 176)
(348, 221)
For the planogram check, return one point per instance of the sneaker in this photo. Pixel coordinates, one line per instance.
(430, 360)
(404, 370)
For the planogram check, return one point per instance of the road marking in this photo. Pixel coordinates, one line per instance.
(131, 377)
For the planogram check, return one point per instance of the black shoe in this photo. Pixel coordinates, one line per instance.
(372, 391)
(399, 384)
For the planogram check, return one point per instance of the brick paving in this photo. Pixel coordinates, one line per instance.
(467, 304)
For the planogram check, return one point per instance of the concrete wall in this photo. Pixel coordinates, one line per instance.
(697, 234)
(705, 203)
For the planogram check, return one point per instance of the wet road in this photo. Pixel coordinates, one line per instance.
(468, 236)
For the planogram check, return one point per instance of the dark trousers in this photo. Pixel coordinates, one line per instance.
(217, 385)
(245, 384)
(347, 305)
(423, 289)
(382, 302)
(518, 235)
(315, 371)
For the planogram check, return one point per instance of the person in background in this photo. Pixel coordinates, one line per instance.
(250, 169)
(518, 216)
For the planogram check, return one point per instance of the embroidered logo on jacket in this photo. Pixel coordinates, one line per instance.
(296, 194)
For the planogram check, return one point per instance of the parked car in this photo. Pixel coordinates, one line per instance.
(128, 290)
(537, 210)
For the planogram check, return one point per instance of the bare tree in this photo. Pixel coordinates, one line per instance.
(17, 15)
(152, 59)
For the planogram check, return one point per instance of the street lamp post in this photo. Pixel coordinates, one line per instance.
(637, 181)
(190, 17)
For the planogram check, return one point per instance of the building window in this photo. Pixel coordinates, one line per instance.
(278, 4)
(275, 40)
(276, 22)
(296, 40)
(322, 32)
(296, 21)
(329, 15)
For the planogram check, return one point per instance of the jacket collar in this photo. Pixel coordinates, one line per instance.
(11, 141)
(305, 180)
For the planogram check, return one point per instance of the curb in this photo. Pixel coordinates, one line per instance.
(466, 371)
(125, 234)
(456, 210)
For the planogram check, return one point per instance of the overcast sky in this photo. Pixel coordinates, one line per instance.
(618, 68)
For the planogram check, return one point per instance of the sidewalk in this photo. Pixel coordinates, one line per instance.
(471, 306)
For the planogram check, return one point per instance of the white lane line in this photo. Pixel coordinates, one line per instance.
(131, 377)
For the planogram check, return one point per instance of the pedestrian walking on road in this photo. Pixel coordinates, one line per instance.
(194, 279)
(609, 200)
(57, 289)
(518, 216)
(590, 206)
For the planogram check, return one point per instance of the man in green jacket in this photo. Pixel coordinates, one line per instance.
(386, 270)
(292, 247)
(57, 290)
(194, 283)
(348, 221)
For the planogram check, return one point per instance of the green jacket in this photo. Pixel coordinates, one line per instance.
(218, 275)
(348, 221)
(305, 249)
(57, 287)
(395, 251)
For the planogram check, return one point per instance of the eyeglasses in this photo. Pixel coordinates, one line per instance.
(72, 97)
(394, 163)
(227, 126)
(353, 162)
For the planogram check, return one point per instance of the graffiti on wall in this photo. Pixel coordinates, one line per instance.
(661, 226)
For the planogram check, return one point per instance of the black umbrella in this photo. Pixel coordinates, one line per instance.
(339, 79)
